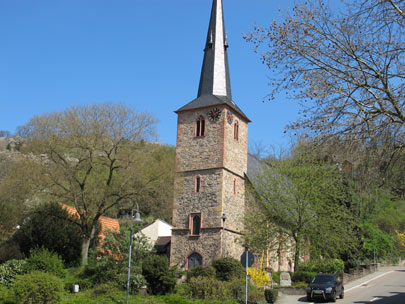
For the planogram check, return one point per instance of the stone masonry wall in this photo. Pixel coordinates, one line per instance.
(196, 153)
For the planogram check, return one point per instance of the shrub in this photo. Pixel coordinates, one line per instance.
(160, 277)
(303, 276)
(276, 277)
(9, 270)
(206, 288)
(301, 285)
(228, 269)
(43, 260)
(38, 287)
(325, 266)
(6, 295)
(237, 287)
(201, 271)
(50, 226)
(271, 295)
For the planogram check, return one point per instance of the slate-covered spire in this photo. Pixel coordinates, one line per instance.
(215, 71)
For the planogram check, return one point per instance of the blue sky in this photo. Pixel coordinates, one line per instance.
(145, 53)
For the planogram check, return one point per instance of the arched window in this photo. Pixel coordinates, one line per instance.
(197, 183)
(234, 186)
(195, 224)
(200, 127)
(236, 131)
(194, 260)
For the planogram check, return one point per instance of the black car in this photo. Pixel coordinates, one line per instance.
(325, 287)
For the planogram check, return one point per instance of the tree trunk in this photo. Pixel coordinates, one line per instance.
(86, 245)
(297, 255)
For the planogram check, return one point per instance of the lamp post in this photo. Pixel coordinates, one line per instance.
(223, 234)
(137, 219)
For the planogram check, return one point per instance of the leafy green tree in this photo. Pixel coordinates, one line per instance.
(300, 197)
(112, 265)
(375, 239)
(345, 66)
(160, 276)
(51, 227)
(88, 158)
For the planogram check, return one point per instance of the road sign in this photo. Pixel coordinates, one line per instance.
(250, 259)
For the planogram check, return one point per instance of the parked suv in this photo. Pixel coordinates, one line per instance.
(326, 287)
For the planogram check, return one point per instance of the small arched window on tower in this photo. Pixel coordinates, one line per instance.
(195, 224)
(234, 186)
(236, 131)
(197, 182)
(194, 260)
(200, 127)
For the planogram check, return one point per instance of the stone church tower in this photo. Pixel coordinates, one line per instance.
(211, 162)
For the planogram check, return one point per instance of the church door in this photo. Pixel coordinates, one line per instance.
(194, 260)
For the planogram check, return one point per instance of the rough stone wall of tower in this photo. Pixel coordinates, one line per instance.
(221, 162)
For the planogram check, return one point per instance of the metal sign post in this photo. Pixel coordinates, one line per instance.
(247, 254)
(247, 259)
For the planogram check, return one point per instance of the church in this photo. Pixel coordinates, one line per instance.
(212, 162)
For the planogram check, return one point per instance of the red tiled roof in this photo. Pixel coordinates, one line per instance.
(106, 223)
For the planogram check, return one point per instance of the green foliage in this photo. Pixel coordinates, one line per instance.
(160, 277)
(325, 266)
(271, 295)
(201, 271)
(238, 291)
(44, 260)
(374, 238)
(39, 288)
(276, 277)
(303, 276)
(301, 196)
(301, 285)
(6, 295)
(9, 270)
(228, 269)
(207, 288)
(51, 227)
(114, 267)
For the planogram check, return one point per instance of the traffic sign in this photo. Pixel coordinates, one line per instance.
(250, 259)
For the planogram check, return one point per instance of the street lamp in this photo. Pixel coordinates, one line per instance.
(137, 219)
(223, 234)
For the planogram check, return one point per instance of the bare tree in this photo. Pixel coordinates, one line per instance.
(89, 158)
(346, 69)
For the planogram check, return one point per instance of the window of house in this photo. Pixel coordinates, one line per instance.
(195, 223)
(194, 260)
(236, 131)
(200, 127)
(234, 186)
(197, 183)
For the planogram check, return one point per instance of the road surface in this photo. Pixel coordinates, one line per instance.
(387, 286)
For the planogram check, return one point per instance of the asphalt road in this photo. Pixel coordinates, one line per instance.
(387, 286)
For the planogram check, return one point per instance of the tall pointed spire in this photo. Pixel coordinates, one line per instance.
(215, 78)
(215, 86)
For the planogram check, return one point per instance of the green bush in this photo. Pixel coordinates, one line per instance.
(9, 270)
(38, 287)
(271, 295)
(50, 226)
(237, 287)
(201, 271)
(6, 295)
(303, 276)
(160, 277)
(325, 266)
(228, 269)
(301, 285)
(206, 288)
(42, 259)
(276, 277)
